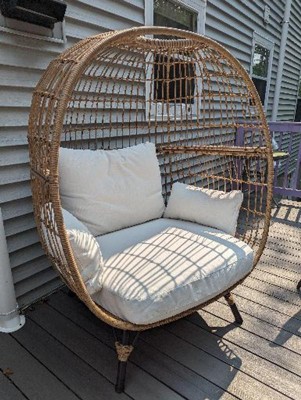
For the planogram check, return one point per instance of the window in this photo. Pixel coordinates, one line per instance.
(175, 15)
(171, 12)
(175, 98)
(260, 70)
(181, 85)
(262, 55)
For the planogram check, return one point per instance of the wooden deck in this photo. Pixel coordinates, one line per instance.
(65, 353)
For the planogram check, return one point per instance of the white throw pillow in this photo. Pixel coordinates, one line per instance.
(86, 251)
(85, 248)
(205, 206)
(111, 189)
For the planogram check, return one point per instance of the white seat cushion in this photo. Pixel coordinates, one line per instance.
(163, 267)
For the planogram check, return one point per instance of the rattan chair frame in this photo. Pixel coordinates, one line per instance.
(52, 101)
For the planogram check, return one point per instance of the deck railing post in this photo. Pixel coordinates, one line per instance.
(296, 174)
(289, 188)
(239, 140)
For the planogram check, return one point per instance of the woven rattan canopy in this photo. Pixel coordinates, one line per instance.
(182, 91)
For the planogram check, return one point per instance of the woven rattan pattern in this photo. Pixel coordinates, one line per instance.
(186, 93)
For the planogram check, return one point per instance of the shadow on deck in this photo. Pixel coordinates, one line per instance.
(65, 353)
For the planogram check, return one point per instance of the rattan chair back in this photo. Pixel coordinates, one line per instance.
(182, 91)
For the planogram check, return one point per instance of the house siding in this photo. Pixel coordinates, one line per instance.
(292, 67)
(232, 23)
(22, 62)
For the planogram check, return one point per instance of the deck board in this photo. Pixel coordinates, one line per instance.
(260, 361)
(58, 361)
(273, 300)
(272, 317)
(97, 353)
(279, 272)
(8, 391)
(84, 319)
(213, 359)
(259, 327)
(65, 353)
(288, 286)
(277, 291)
(29, 374)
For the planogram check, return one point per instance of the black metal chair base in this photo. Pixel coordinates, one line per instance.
(234, 309)
(122, 361)
(124, 348)
(121, 374)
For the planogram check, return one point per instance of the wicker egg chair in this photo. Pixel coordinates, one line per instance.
(182, 91)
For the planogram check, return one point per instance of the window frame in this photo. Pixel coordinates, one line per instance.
(198, 7)
(151, 109)
(268, 44)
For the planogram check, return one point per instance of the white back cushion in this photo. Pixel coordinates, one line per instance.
(205, 206)
(111, 189)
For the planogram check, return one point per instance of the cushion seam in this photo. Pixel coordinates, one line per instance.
(192, 302)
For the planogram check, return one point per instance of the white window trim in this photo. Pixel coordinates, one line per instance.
(199, 7)
(268, 44)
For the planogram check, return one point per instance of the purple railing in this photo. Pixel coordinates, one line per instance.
(287, 168)
(287, 135)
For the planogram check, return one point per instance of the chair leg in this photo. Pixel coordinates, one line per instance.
(123, 350)
(234, 309)
(299, 285)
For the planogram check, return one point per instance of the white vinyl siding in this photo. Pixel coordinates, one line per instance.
(292, 66)
(233, 24)
(23, 59)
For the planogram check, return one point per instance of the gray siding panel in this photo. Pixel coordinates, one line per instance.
(232, 23)
(292, 67)
(22, 61)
